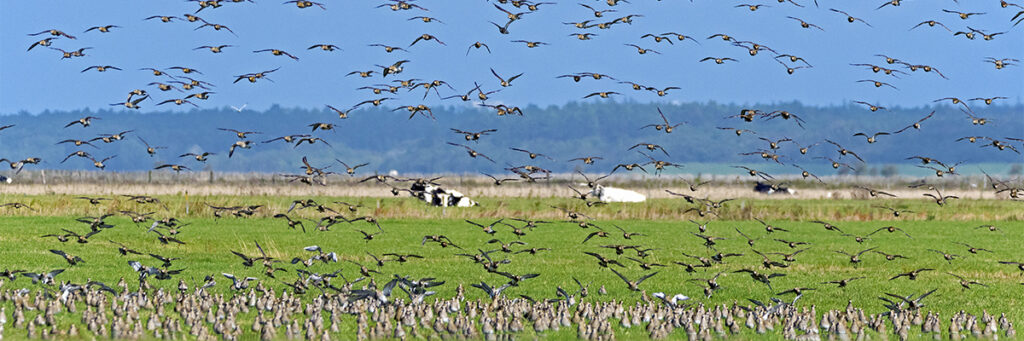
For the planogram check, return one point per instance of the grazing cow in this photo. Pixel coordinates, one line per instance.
(437, 196)
(765, 188)
(6, 180)
(612, 194)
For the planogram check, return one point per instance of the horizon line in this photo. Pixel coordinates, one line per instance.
(475, 105)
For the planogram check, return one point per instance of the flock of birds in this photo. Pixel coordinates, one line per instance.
(387, 304)
(189, 83)
(372, 297)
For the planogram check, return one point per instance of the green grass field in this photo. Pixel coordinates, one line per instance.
(654, 209)
(405, 222)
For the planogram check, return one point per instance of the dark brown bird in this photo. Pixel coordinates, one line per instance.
(849, 18)
(472, 153)
(891, 229)
(72, 260)
(972, 249)
(939, 198)
(964, 283)
(306, 4)
(769, 228)
(503, 82)
(855, 258)
(912, 275)
(176, 168)
(947, 256)
(889, 256)
(427, 37)
(532, 155)
(843, 282)
(634, 285)
(277, 52)
(763, 278)
(602, 261)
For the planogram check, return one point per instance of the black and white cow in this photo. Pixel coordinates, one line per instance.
(437, 196)
(766, 188)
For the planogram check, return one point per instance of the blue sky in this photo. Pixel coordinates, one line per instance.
(37, 80)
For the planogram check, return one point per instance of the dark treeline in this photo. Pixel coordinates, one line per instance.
(390, 140)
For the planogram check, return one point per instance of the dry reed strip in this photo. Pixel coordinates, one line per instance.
(404, 207)
(474, 191)
(978, 203)
(254, 184)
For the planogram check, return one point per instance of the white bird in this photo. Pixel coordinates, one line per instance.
(210, 281)
(151, 228)
(239, 109)
(238, 284)
(66, 289)
(672, 301)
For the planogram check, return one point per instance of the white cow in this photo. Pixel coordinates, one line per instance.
(612, 194)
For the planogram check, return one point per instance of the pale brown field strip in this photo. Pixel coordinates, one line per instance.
(473, 190)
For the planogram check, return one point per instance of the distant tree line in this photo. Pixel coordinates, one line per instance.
(391, 140)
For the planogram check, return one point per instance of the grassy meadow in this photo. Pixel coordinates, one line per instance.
(672, 209)
(664, 227)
